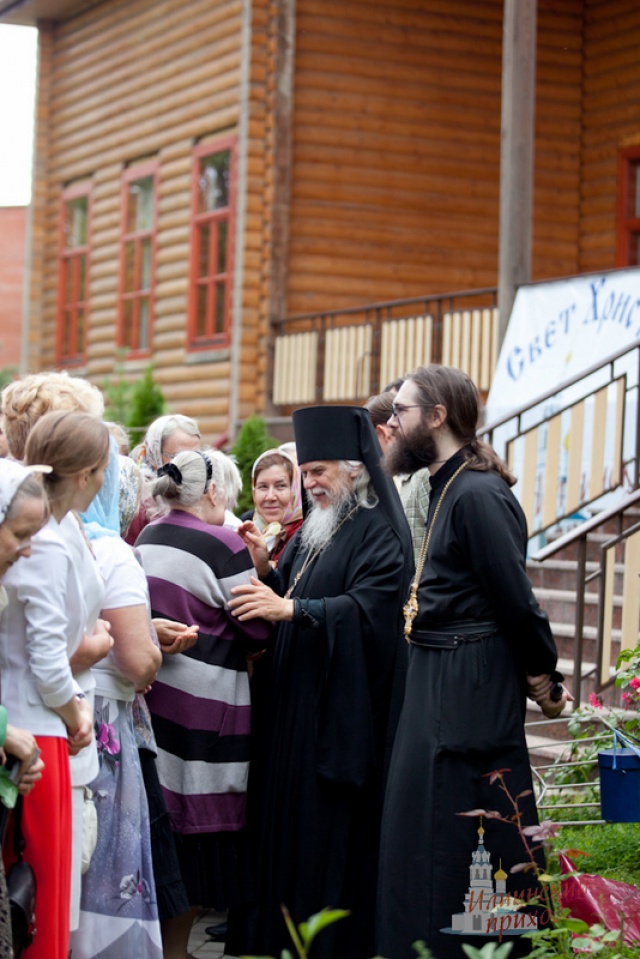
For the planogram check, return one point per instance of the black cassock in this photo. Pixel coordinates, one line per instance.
(324, 721)
(462, 718)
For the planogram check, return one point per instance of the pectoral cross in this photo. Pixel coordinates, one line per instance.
(410, 611)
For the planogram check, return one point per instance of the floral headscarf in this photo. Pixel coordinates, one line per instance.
(150, 452)
(130, 493)
(293, 512)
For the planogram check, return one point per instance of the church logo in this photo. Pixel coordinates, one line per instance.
(489, 910)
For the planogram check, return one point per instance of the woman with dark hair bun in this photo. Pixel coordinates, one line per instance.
(200, 702)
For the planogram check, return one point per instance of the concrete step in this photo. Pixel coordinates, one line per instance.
(561, 574)
(560, 606)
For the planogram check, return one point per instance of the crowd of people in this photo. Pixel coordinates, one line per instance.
(292, 706)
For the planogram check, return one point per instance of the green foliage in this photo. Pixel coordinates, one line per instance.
(303, 936)
(134, 404)
(253, 440)
(7, 374)
(612, 849)
(146, 404)
(491, 950)
(117, 393)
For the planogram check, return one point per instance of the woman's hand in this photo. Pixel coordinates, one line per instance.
(175, 637)
(92, 648)
(257, 546)
(82, 735)
(21, 744)
(31, 777)
(257, 601)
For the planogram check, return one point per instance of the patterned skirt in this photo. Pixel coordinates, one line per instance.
(118, 909)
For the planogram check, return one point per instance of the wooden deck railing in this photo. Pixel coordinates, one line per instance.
(348, 355)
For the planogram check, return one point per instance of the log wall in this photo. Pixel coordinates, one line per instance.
(611, 121)
(125, 82)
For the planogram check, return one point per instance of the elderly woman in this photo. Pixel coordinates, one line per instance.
(40, 630)
(118, 896)
(23, 512)
(277, 495)
(200, 702)
(165, 437)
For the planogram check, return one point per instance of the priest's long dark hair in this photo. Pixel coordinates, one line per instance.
(449, 387)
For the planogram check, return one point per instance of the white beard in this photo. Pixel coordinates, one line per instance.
(322, 522)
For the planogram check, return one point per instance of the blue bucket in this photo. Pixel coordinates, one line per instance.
(619, 784)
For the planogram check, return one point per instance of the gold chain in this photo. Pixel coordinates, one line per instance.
(410, 608)
(310, 558)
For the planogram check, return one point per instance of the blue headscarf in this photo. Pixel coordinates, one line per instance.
(102, 518)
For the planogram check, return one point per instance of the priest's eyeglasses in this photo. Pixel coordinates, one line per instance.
(397, 409)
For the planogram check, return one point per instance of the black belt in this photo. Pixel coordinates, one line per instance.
(452, 639)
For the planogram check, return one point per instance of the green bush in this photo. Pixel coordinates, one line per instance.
(253, 440)
(133, 404)
(146, 404)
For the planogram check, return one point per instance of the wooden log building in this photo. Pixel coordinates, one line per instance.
(205, 169)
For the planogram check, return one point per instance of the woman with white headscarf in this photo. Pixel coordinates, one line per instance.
(165, 437)
(23, 511)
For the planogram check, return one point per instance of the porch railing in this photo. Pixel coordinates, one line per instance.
(348, 355)
(617, 565)
(576, 442)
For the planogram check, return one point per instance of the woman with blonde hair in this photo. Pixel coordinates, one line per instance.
(28, 398)
(40, 630)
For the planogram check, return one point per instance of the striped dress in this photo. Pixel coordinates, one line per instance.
(200, 701)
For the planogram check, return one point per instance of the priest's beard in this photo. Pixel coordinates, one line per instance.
(411, 452)
(322, 522)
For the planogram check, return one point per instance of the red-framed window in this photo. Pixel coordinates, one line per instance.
(212, 232)
(628, 252)
(73, 274)
(137, 257)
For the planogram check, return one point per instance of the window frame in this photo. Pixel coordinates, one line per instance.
(211, 340)
(627, 225)
(66, 256)
(139, 171)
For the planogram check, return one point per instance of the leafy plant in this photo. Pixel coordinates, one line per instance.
(303, 936)
(7, 374)
(136, 403)
(117, 393)
(253, 440)
(146, 404)
(561, 934)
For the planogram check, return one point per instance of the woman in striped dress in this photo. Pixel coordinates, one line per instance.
(200, 702)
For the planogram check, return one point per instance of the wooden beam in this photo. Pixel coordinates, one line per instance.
(283, 121)
(516, 154)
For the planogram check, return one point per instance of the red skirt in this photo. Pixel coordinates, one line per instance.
(46, 828)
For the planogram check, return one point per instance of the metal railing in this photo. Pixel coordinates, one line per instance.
(576, 442)
(556, 789)
(618, 555)
(348, 355)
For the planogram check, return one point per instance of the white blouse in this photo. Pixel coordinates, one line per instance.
(40, 630)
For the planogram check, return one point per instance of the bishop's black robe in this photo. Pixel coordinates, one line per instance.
(462, 717)
(315, 791)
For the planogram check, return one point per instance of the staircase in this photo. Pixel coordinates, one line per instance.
(562, 586)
